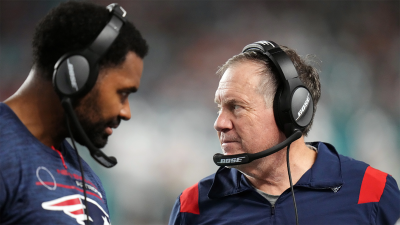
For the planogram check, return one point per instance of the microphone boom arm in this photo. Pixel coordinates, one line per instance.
(96, 153)
(231, 160)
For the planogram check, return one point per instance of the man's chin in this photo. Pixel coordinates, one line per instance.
(98, 142)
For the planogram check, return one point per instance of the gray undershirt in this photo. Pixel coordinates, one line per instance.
(272, 198)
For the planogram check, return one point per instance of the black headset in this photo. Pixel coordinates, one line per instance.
(76, 72)
(293, 104)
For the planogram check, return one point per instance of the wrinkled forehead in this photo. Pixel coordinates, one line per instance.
(242, 74)
(240, 81)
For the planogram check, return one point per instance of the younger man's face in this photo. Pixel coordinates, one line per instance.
(102, 109)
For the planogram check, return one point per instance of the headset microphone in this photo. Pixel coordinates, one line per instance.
(231, 160)
(96, 153)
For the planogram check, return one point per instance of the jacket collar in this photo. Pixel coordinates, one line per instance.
(325, 173)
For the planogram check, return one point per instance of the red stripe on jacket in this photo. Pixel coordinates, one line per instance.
(190, 200)
(372, 186)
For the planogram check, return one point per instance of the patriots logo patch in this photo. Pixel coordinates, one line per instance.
(73, 206)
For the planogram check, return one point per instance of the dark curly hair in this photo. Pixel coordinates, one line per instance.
(74, 25)
(269, 84)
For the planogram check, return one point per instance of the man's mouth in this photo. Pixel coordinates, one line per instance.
(109, 130)
(110, 127)
(228, 143)
(226, 140)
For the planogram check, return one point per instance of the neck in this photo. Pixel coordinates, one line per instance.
(38, 107)
(271, 174)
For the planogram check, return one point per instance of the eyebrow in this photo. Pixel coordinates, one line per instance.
(231, 101)
(130, 89)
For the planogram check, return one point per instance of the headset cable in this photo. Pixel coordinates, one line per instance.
(291, 185)
(86, 210)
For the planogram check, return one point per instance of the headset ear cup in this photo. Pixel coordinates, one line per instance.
(71, 75)
(302, 107)
(276, 107)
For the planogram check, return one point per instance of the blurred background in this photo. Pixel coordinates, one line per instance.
(168, 144)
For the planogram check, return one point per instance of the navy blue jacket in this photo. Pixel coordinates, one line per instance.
(336, 190)
(41, 185)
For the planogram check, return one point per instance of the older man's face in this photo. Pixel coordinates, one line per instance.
(244, 123)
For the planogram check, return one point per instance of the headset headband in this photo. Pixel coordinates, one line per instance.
(110, 32)
(75, 73)
(277, 56)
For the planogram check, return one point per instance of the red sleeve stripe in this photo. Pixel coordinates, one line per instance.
(190, 200)
(372, 186)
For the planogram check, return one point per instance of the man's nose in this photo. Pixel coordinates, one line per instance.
(223, 122)
(125, 112)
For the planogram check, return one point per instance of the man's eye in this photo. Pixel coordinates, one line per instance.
(124, 95)
(236, 107)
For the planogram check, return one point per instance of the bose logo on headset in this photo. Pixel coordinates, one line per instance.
(233, 160)
(71, 74)
(304, 107)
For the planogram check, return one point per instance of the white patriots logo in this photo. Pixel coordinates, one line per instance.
(73, 206)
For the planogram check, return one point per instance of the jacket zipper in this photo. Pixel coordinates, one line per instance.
(273, 210)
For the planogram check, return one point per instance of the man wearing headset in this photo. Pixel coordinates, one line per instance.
(267, 96)
(87, 59)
